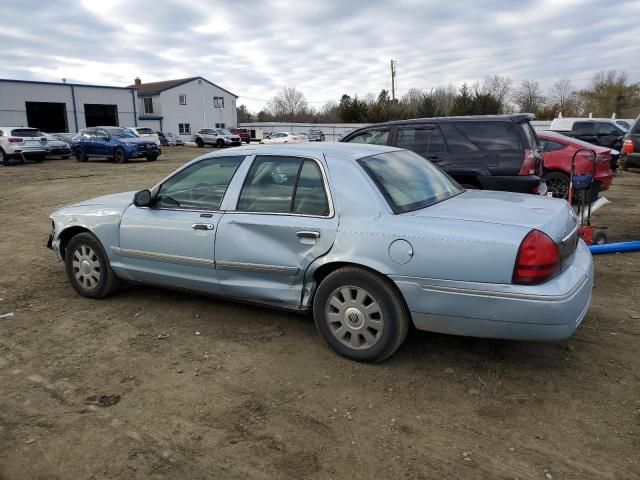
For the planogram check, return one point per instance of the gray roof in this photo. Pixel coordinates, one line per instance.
(153, 88)
(350, 151)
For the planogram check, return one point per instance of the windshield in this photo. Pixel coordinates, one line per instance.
(26, 132)
(223, 131)
(120, 133)
(407, 181)
(145, 131)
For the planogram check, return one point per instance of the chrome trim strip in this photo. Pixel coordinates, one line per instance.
(511, 295)
(260, 267)
(126, 252)
(568, 237)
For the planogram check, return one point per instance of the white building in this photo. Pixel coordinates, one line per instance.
(65, 107)
(185, 105)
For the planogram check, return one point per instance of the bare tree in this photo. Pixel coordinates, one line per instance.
(498, 87)
(528, 97)
(611, 93)
(564, 98)
(288, 104)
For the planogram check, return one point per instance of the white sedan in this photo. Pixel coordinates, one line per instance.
(284, 137)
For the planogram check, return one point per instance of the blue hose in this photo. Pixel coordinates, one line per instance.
(615, 247)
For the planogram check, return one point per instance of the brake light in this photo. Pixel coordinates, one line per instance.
(627, 147)
(15, 140)
(538, 259)
(529, 165)
(602, 159)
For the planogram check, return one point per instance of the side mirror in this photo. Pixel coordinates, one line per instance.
(142, 198)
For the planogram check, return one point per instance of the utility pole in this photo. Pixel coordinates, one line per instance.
(393, 79)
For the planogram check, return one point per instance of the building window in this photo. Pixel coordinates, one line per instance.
(148, 104)
(182, 99)
(219, 125)
(218, 102)
(184, 128)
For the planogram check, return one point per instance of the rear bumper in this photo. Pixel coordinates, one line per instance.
(519, 183)
(26, 153)
(59, 151)
(548, 312)
(630, 160)
(605, 181)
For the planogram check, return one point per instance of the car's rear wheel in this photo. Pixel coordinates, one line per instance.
(360, 314)
(87, 267)
(81, 155)
(4, 160)
(120, 156)
(557, 184)
(199, 142)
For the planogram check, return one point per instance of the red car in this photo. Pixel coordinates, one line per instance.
(558, 151)
(243, 133)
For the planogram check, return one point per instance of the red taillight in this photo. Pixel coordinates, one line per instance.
(529, 165)
(603, 159)
(538, 259)
(627, 147)
(15, 140)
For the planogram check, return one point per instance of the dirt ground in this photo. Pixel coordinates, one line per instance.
(157, 384)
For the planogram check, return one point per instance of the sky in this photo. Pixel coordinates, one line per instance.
(324, 48)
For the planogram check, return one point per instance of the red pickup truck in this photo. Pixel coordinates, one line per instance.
(243, 133)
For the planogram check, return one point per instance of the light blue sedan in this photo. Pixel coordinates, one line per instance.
(369, 238)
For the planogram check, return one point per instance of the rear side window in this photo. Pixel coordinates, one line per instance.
(551, 146)
(278, 184)
(583, 128)
(635, 129)
(414, 138)
(490, 135)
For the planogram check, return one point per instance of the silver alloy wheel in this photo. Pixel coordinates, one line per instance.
(86, 267)
(354, 317)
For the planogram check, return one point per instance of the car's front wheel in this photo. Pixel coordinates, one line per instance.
(87, 267)
(557, 184)
(152, 158)
(199, 142)
(80, 154)
(120, 156)
(220, 143)
(360, 314)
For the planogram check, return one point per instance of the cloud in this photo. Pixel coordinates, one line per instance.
(253, 48)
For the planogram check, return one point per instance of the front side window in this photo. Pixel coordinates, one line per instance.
(184, 128)
(222, 131)
(182, 99)
(278, 184)
(407, 182)
(200, 186)
(148, 104)
(374, 137)
(608, 129)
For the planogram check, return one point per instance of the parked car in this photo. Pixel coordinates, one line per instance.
(21, 143)
(243, 133)
(170, 139)
(624, 124)
(630, 154)
(283, 137)
(119, 144)
(146, 133)
(315, 135)
(604, 132)
(217, 137)
(368, 238)
(56, 147)
(558, 151)
(65, 137)
(486, 152)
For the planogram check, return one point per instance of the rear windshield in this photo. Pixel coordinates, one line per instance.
(532, 140)
(407, 181)
(490, 135)
(26, 132)
(145, 131)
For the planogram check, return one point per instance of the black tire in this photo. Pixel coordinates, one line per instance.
(80, 154)
(599, 238)
(120, 156)
(107, 283)
(199, 142)
(557, 184)
(4, 160)
(392, 310)
(152, 158)
(247, 141)
(220, 143)
(65, 157)
(39, 158)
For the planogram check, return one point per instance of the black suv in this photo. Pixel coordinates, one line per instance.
(493, 152)
(630, 155)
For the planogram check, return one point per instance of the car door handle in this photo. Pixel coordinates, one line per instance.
(308, 234)
(202, 226)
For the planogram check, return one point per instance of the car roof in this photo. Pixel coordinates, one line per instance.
(349, 151)
(517, 118)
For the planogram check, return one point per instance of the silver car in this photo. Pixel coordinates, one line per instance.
(368, 238)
